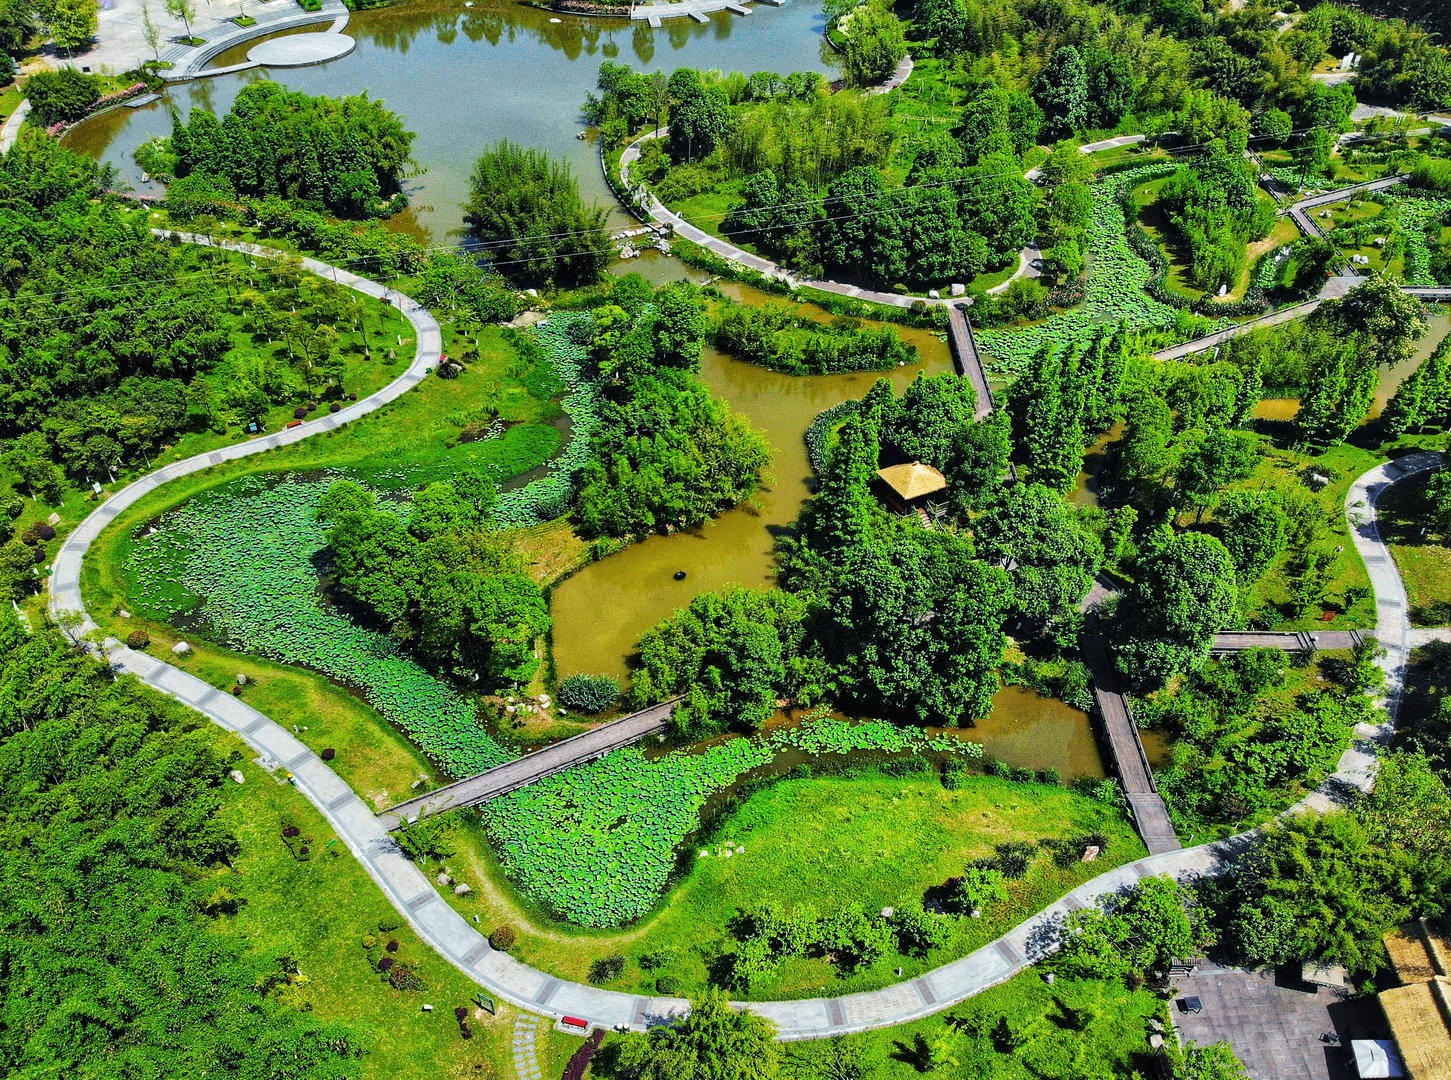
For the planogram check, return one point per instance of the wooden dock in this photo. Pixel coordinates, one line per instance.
(521, 772)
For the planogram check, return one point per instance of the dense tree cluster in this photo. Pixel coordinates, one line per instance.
(113, 958)
(1330, 886)
(1243, 746)
(97, 375)
(526, 208)
(667, 454)
(442, 579)
(1215, 208)
(775, 338)
(344, 155)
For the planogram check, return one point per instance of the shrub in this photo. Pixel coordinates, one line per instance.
(392, 945)
(298, 413)
(328, 754)
(138, 639)
(1013, 859)
(385, 964)
(589, 693)
(369, 941)
(579, 1062)
(1050, 776)
(291, 831)
(503, 938)
(651, 960)
(997, 768)
(606, 968)
(953, 775)
(460, 1013)
(46, 534)
(909, 766)
(14, 506)
(334, 407)
(389, 923)
(1020, 774)
(978, 887)
(667, 985)
(403, 977)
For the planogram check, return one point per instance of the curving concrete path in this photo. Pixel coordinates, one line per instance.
(190, 61)
(663, 215)
(416, 899)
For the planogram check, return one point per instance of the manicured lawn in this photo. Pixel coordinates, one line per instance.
(824, 841)
(317, 912)
(1424, 560)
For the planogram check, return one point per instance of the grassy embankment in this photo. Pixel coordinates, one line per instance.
(318, 911)
(874, 839)
(1422, 553)
(1022, 1030)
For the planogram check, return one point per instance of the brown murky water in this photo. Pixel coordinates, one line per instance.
(601, 612)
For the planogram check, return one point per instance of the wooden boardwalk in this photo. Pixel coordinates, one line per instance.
(964, 348)
(521, 772)
(1130, 763)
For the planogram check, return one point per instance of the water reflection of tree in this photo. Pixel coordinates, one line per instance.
(644, 42)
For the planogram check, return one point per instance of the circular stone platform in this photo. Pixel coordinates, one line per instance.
(299, 50)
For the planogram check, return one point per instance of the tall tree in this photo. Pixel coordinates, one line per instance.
(1062, 91)
(1182, 596)
(713, 1042)
(527, 208)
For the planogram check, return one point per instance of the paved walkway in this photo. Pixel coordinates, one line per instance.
(190, 61)
(526, 1061)
(11, 131)
(658, 212)
(699, 10)
(414, 895)
(523, 771)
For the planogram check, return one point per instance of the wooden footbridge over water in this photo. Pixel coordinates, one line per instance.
(521, 772)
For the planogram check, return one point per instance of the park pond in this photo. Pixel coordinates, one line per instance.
(463, 76)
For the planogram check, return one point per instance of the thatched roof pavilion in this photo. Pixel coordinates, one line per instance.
(1419, 1012)
(912, 481)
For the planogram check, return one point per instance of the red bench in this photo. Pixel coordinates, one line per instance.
(295, 423)
(574, 1021)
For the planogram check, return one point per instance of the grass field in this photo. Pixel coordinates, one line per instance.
(1282, 468)
(1424, 560)
(825, 841)
(318, 911)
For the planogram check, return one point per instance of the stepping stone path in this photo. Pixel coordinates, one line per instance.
(526, 1064)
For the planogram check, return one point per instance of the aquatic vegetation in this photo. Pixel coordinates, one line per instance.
(1115, 287)
(596, 844)
(1421, 218)
(243, 561)
(551, 495)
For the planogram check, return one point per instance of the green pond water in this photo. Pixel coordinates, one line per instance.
(463, 77)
